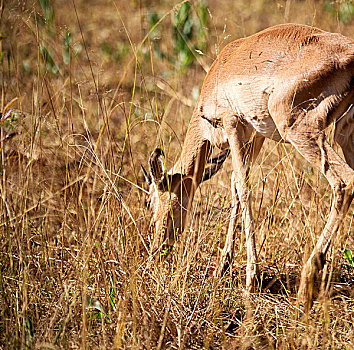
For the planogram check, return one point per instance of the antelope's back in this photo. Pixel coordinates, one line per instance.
(280, 59)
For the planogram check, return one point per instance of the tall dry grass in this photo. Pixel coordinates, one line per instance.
(86, 95)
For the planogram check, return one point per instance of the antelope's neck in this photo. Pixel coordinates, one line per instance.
(195, 152)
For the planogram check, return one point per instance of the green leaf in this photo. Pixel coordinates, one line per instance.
(66, 49)
(48, 11)
(349, 256)
(94, 304)
(153, 18)
(106, 49)
(202, 12)
(29, 331)
(113, 293)
(346, 11)
(48, 60)
(187, 28)
(342, 10)
(183, 13)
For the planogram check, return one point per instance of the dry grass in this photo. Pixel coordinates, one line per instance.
(75, 256)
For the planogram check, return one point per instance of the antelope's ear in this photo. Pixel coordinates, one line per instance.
(214, 165)
(146, 176)
(157, 166)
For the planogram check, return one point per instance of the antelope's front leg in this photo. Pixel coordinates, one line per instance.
(237, 135)
(227, 253)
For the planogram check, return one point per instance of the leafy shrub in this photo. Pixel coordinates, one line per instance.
(188, 34)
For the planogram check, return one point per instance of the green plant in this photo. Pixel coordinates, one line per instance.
(119, 53)
(113, 293)
(188, 34)
(343, 10)
(46, 19)
(48, 14)
(67, 55)
(48, 60)
(349, 257)
(94, 308)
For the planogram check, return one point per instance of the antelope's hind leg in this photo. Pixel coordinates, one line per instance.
(341, 178)
(344, 135)
(306, 136)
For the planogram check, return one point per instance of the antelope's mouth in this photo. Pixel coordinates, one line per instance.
(164, 234)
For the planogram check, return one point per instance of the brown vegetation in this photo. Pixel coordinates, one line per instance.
(86, 96)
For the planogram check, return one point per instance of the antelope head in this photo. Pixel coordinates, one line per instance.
(170, 195)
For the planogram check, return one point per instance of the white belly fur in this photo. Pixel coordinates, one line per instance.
(265, 127)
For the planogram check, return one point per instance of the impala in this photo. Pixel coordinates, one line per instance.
(287, 83)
